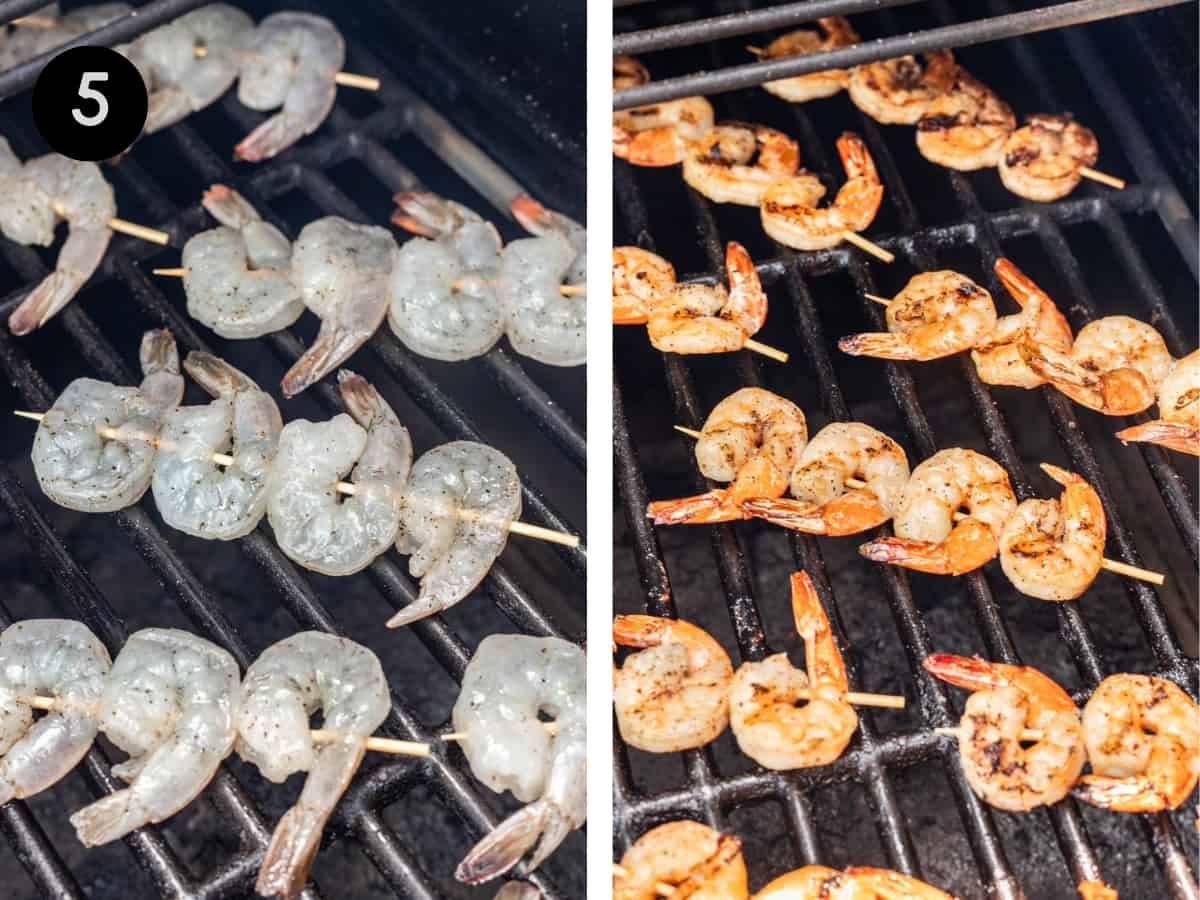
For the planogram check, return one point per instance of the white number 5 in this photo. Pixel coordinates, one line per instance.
(87, 92)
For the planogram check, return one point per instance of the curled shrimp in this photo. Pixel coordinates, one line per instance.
(673, 694)
(1143, 741)
(831, 32)
(1178, 422)
(937, 314)
(758, 478)
(1041, 160)
(856, 883)
(659, 134)
(736, 161)
(927, 537)
(770, 728)
(898, 91)
(966, 127)
(1006, 701)
(789, 219)
(694, 859)
(1052, 549)
(639, 280)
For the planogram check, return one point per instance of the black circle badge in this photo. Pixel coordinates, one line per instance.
(90, 103)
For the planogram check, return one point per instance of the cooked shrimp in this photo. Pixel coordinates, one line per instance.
(1178, 422)
(789, 219)
(736, 161)
(1143, 741)
(1041, 160)
(856, 883)
(1008, 700)
(748, 424)
(628, 72)
(55, 658)
(509, 681)
(898, 91)
(697, 861)
(966, 127)
(1114, 367)
(169, 703)
(674, 694)
(81, 469)
(758, 478)
(824, 503)
(1052, 549)
(1096, 890)
(660, 134)
(290, 62)
(927, 537)
(639, 280)
(770, 728)
(831, 32)
(518, 890)
(937, 314)
(289, 682)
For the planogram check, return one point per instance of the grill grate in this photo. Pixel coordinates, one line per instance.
(354, 159)
(718, 785)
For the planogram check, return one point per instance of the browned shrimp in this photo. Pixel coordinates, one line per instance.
(1041, 160)
(898, 91)
(1178, 422)
(736, 161)
(698, 862)
(966, 127)
(831, 33)
(660, 134)
(640, 279)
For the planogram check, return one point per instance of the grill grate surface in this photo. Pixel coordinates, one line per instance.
(412, 819)
(897, 797)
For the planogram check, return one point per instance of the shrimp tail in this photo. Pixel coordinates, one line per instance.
(807, 612)
(747, 306)
(109, 818)
(217, 377)
(882, 345)
(703, 509)
(293, 845)
(970, 545)
(792, 514)
(423, 213)
(503, 848)
(423, 607)
(228, 207)
(45, 301)
(362, 401)
(331, 348)
(270, 138)
(158, 352)
(971, 673)
(1171, 435)
(534, 217)
(1138, 794)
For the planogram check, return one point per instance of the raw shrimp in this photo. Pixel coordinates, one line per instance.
(343, 271)
(795, 223)
(657, 135)
(169, 703)
(966, 127)
(927, 537)
(25, 42)
(1052, 549)
(34, 197)
(312, 524)
(831, 32)
(937, 314)
(80, 469)
(195, 494)
(289, 682)
(1007, 700)
(824, 503)
(674, 694)
(509, 681)
(1143, 741)
(1042, 159)
(640, 280)
(458, 504)
(1178, 422)
(736, 161)
(291, 59)
(444, 303)
(1114, 367)
(238, 279)
(856, 883)
(518, 890)
(898, 91)
(699, 318)
(55, 658)
(700, 863)
(770, 728)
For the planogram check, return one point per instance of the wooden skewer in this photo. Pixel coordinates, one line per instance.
(757, 51)
(153, 235)
(345, 79)
(660, 887)
(884, 301)
(1102, 177)
(551, 727)
(1027, 734)
(863, 244)
(46, 22)
(765, 350)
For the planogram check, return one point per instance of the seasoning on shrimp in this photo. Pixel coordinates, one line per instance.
(898, 91)
(855, 883)
(640, 280)
(736, 161)
(659, 134)
(1178, 422)
(830, 33)
(1042, 159)
(966, 127)
(692, 858)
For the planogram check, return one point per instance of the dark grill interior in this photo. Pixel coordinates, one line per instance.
(897, 797)
(412, 819)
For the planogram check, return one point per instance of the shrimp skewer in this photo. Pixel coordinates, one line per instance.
(966, 127)
(899, 91)
(831, 32)
(1178, 422)
(660, 134)
(685, 857)
(735, 162)
(1044, 160)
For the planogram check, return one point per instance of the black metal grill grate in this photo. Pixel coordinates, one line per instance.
(896, 776)
(398, 811)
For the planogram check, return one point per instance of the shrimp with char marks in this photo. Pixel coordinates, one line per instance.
(640, 280)
(966, 127)
(855, 883)
(1042, 159)
(1178, 422)
(697, 861)
(831, 32)
(662, 133)
(898, 91)
(736, 161)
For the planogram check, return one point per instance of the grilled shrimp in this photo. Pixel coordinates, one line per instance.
(856, 883)
(1008, 700)
(343, 272)
(824, 503)
(509, 681)
(169, 703)
(699, 318)
(191, 491)
(966, 127)
(290, 62)
(34, 197)
(1052, 549)
(736, 161)
(238, 275)
(640, 280)
(674, 694)
(1143, 741)
(1095, 890)
(1041, 160)
(57, 658)
(927, 537)
(79, 468)
(311, 524)
(660, 134)
(697, 861)
(289, 682)
(444, 303)
(831, 32)
(898, 91)
(789, 218)
(1178, 422)
(758, 478)
(1114, 367)
(937, 314)
(770, 728)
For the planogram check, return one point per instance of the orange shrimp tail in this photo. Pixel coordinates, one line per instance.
(807, 612)
(629, 315)
(527, 211)
(1171, 435)
(970, 545)
(703, 509)
(856, 158)
(639, 630)
(1138, 794)
(791, 514)
(747, 301)
(968, 672)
